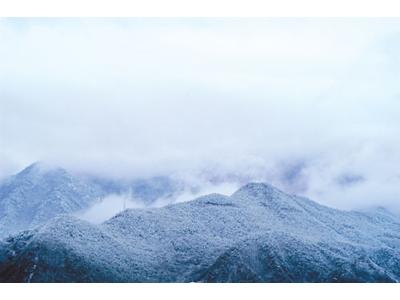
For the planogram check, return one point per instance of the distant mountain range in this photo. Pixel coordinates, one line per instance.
(258, 234)
(39, 193)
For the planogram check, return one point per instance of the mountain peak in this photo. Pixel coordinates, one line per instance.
(32, 168)
(267, 196)
(40, 192)
(257, 189)
(38, 169)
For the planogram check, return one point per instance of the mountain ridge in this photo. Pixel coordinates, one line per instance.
(259, 235)
(40, 192)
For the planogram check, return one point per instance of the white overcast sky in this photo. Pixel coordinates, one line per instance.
(311, 105)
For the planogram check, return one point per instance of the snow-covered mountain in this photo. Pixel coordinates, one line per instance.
(39, 193)
(258, 234)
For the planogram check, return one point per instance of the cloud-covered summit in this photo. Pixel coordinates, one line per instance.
(309, 104)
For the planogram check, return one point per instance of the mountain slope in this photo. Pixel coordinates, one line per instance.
(38, 193)
(259, 234)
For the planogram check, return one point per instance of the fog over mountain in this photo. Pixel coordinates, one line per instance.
(41, 192)
(258, 234)
(310, 106)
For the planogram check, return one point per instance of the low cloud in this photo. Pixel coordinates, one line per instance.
(108, 207)
(206, 188)
(299, 103)
(113, 204)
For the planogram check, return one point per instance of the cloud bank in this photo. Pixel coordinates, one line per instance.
(309, 105)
